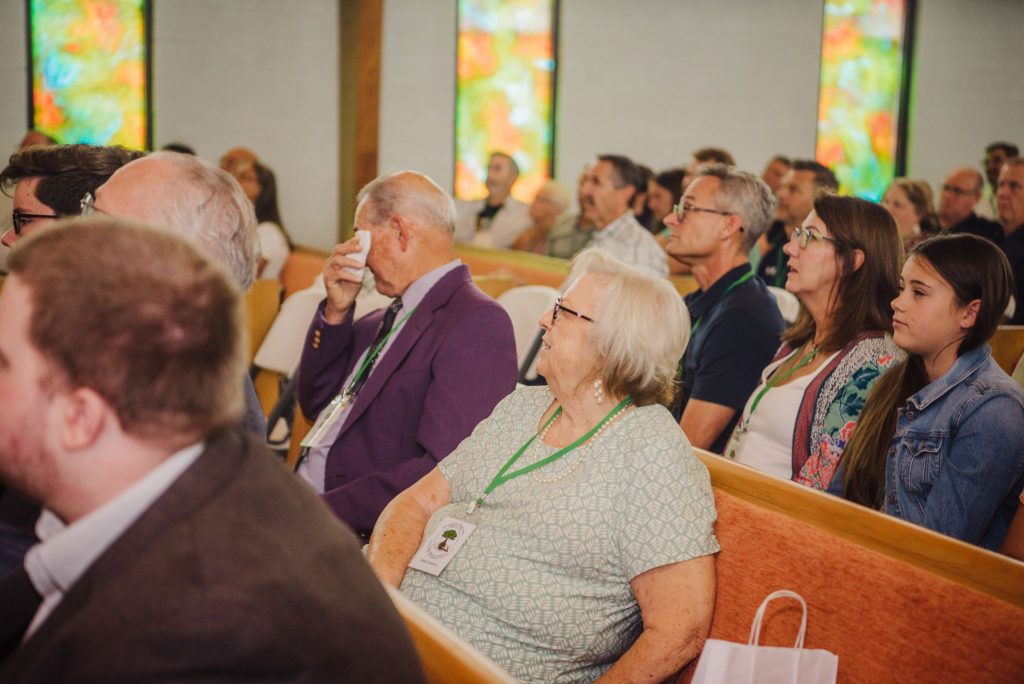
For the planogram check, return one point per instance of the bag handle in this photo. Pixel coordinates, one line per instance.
(755, 628)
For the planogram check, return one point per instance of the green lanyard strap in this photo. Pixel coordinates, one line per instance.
(739, 281)
(775, 382)
(372, 354)
(504, 476)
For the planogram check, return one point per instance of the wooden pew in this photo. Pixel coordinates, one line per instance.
(262, 302)
(896, 602)
(535, 269)
(301, 268)
(446, 658)
(1008, 346)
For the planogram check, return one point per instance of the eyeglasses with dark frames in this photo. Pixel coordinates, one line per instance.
(805, 235)
(682, 209)
(559, 307)
(21, 218)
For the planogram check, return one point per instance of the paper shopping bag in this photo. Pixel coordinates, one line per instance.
(723, 662)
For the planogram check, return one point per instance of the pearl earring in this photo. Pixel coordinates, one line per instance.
(598, 391)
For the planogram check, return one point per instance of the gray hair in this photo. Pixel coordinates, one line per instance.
(411, 195)
(641, 328)
(208, 206)
(744, 194)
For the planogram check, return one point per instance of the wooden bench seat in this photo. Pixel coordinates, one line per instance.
(894, 601)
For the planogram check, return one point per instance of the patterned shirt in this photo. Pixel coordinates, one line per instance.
(628, 241)
(542, 585)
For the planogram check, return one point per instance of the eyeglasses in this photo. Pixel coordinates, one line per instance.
(558, 307)
(805, 235)
(682, 209)
(87, 205)
(20, 218)
(955, 190)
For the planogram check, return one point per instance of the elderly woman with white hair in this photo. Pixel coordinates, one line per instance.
(569, 537)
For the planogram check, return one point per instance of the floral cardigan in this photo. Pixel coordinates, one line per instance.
(832, 404)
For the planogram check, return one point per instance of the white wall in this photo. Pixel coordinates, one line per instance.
(261, 74)
(653, 79)
(417, 94)
(970, 84)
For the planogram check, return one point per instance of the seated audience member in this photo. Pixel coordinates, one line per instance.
(940, 442)
(1013, 545)
(641, 211)
(910, 203)
(736, 322)
(844, 265)
(260, 187)
(1010, 196)
(237, 155)
(663, 193)
(49, 182)
(191, 197)
(593, 542)
(607, 195)
(960, 193)
(180, 148)
(397, 390)
(572, 231)
(775, 170)
(496, 220)
(710, 155)
(551, 202)
(174, 549)
(805, 180)
(996, 154)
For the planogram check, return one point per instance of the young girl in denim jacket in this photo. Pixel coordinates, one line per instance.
(941, 438)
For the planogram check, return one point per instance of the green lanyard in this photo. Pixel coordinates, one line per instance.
(773, 382)
(739, 281)
(780, 271)
(372, 355)
(504, 476)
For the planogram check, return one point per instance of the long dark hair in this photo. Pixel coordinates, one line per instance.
(266, 203)
(976, 270)
(860, 297)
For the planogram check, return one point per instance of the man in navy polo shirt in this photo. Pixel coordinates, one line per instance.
(736, 324)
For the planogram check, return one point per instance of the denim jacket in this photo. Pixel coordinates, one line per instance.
(956, 460)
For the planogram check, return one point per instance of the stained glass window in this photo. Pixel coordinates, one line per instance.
(864, 73)
(89, 71)
(505, 92)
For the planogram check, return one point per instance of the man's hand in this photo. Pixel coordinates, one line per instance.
(342, 286)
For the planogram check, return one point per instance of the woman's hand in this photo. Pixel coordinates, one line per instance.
(399, 529)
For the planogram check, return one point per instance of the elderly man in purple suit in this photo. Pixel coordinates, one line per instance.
(396, 392)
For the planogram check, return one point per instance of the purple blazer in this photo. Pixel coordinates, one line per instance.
(445, 371)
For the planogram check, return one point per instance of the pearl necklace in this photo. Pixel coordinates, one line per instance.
(579, 459)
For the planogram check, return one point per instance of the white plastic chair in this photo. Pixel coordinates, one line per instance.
(524, 306)
(282, 346)
(789, 305)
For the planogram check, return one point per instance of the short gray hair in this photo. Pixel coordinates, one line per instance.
(744, 194)
(411, 195)
(208, 206)
(641, 328)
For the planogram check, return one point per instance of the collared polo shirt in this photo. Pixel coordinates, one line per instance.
(733, 338)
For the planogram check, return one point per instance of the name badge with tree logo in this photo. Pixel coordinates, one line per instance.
(441, 545)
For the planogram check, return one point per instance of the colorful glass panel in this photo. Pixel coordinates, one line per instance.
(505, 92)
(862, 77)
(89, 77)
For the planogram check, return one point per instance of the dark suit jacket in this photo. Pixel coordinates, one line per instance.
(446, 369)
(237, 572)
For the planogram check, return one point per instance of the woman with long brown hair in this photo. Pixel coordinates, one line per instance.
(941, 438)
(843, 267)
